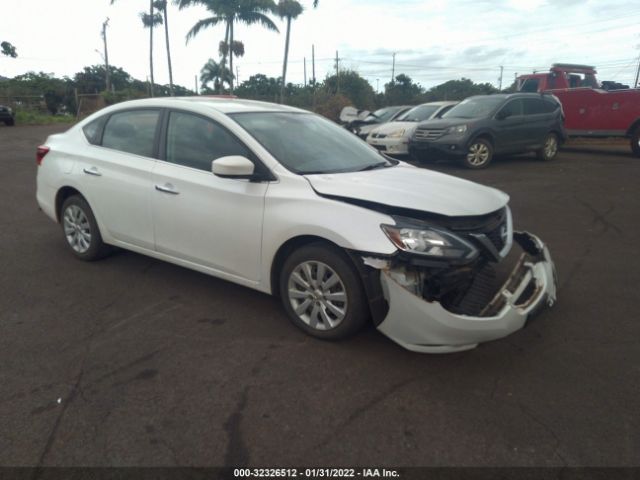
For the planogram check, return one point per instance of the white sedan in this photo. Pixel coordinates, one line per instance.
(393, 137)
(288, 203)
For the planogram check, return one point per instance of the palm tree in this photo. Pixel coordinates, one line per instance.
(149, 20)
(161, 5)
(217, 73)
(289, 10)
(231, 12)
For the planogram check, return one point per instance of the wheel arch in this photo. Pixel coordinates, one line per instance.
(61, 195)
(287, 248)
(485, 135)
(633, 127)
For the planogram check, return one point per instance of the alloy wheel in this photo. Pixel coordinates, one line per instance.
(317, 295)
(551, 147)
(478, 154)
(77, 229)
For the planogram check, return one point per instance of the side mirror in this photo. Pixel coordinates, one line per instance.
(233, 166)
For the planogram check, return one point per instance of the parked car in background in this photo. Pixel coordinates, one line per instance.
(481, 126)
(393, 137)
(7, 116)
(288, 203)
(362, 123)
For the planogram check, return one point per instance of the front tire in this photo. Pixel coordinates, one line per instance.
(635, 142)
(479, 155)
(81, 231)
(550, 148)
(322, 293)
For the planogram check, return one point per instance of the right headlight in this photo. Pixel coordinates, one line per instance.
(430, 241)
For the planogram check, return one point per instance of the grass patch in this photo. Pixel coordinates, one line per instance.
(35, 118)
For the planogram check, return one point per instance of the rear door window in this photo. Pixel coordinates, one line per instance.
(133, 131)
(513, 108)
(533, 106)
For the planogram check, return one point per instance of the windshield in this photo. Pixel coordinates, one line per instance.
(475, 107)
(418, 114)
(382, 115)
(306, 143)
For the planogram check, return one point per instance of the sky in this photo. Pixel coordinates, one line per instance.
(433, 40)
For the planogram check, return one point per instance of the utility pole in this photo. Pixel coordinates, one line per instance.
(305, 72)
(337, 73)
(501, 72)
(237, 76)
(635, 84)
(313, 64)
(393, 69)
(377, 85)
(196, 83)
(107, 78)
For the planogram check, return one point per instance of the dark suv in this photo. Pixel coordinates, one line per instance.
(6, 115)
(480, 126)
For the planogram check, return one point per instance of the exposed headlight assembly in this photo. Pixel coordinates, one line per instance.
(430, 241)
(457, 129)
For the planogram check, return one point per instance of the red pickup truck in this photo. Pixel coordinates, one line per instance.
(591, 109)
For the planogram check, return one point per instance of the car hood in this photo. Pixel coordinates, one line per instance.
(387, 128)
(405, 186)
(446, 122)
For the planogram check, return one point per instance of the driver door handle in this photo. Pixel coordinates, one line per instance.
(167, 188)
(92, 171)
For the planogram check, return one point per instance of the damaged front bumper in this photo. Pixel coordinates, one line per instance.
(427, 326)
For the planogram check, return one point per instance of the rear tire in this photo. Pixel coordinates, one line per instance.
(81, 231)
(635, 142)
(322, 292)
(549, 151)
(480, 154)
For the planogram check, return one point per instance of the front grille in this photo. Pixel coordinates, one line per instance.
(428, 133)
(379, 135)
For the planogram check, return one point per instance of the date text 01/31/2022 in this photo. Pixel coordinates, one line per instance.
(315, 473)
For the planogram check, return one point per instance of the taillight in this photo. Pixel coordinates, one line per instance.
(40, 153)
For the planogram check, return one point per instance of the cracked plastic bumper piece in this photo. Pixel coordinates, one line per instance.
(423, 326)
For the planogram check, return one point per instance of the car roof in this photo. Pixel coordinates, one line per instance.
(226, 104)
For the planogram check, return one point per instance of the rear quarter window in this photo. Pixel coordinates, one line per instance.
(93, 130)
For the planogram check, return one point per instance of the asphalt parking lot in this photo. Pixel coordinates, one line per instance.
(132, 361)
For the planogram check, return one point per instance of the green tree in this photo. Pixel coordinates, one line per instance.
(259, 87)
(8, 50)
(354, 87)
(161, 6)
(287, 10)
(403, 91)
(150, 20)
(230, 12)
(458, 90)
(217, 73)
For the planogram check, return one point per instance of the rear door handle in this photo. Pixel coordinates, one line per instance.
(92, 171)
(167, 188)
